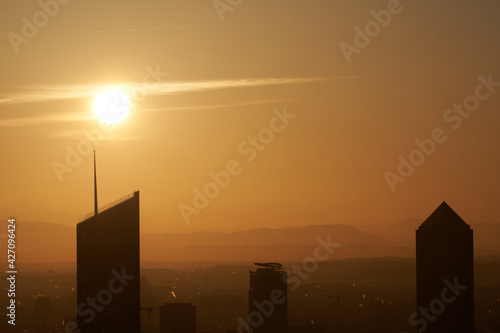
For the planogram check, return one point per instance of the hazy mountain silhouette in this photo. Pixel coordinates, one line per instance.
(295, 236)
(44, 242)
(486, 235)
(402, 231)
(39, 242)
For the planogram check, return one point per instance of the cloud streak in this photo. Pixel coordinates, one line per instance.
(87, 116)
(221, 106)
(44, 119)
(16, 96)
(36, 95)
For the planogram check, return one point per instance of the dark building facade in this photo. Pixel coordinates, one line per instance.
(177, 318)
(445, 274)
(268, 299)
(42, 314)
(108, 269)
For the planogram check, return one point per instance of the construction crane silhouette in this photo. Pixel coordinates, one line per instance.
(269, 265)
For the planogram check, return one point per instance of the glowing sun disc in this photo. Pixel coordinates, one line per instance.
(112, 106)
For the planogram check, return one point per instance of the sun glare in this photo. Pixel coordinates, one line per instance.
(111, 106)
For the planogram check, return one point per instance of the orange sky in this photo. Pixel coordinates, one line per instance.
(225, 79)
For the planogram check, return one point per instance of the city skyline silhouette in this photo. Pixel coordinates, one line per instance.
(232, 166)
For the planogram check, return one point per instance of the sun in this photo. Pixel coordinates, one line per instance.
(111, 106)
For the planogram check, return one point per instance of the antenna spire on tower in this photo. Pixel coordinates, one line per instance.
(95, 187)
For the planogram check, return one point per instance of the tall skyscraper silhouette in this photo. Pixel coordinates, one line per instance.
(445, 274)
(108, 268)
(267, 299)
(177, 318)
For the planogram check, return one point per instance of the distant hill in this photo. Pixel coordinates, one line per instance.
(295, 236)
(402, 232)
(486, 235)
(39, 242)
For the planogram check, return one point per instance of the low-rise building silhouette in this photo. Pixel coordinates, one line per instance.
(177, 318)
(42, 313)
(268, 299)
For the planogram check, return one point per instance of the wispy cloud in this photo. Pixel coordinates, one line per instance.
(36, 94)
(222, 106)
(44, 119)
(25, 95)
(153, 29)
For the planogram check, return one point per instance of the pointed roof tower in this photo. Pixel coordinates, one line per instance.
(444, 217)
(95, 188)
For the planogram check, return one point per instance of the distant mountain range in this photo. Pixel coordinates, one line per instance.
(403, 232)
(39, 242)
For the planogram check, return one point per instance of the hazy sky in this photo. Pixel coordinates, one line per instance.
(352, 116)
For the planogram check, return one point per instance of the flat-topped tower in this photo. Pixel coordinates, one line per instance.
(107, 259)
(108, 267)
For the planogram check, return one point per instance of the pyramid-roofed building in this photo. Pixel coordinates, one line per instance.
(445, 273)
(444, 217)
